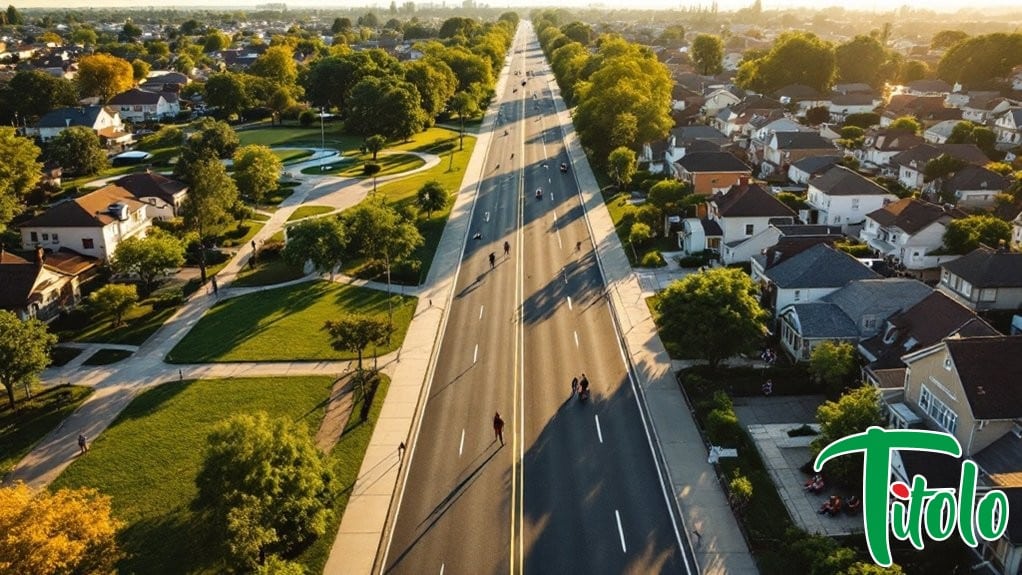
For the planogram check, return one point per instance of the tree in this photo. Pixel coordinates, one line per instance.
(184, 64)
(970, 133)
(375, 143)
(942, 166)
(435, 82)
(104, 75)
(386, 106)
(51, 533)
(321, 241)
(115, 300)
(280, 101)
(578, 32)
(708, 54)
(78, 151)
(24, 351)
(139, 69)
(256, 172)
(906, 123)
(818, 115)
(981, 61)
(715, 313)
(621, 166)
(32, 93)
(795, 58)
(129, 32)
(432, 196)
(966, 234)
(370, 20)
(861, 59)
(209, 206)
(640, 234)
(464, 105)
(269, 486)
(216, 41)
(853, 413)
(666, 195)
(864, 120)
(673, 36)
(149, 257)
(83, 36)
(212, 139)
(947, 38)
(277, 64)
(20, 171)
(356, 332)
(13, 16)
(341, 25)
(226, 92)
(832, 363)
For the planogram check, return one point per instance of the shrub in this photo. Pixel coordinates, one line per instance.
(804, 431)
(168, 299)
(722, 427)
(652, 260)
(639, 234)
(270, 250)
(627, 218)
(856, 250)
(370, 168)
(306, 118)
(741, 490)
(406, 272)
(692, 261)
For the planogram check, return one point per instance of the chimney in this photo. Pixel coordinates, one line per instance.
(40, 255)
(743, 181)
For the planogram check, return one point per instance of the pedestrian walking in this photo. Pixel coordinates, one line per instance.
(83, 443)
(498, 428)
(180, 376)
(768, 387)
(578, 246)
(574, 386)
(507, 249)
(401, 451)
(493, 259)
(216, 288)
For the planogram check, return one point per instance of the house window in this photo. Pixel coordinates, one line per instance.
(88, 244)
(748, 229)
(33, 236)
(966, 289)
(855, 203)
(941, 414)
(798, 295)
(988, 294)
(55, 240)
(869, 322)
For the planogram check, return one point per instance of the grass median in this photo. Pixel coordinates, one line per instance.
(308, 212)
(286, 324)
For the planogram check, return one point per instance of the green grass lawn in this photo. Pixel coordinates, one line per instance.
(266, 273)
(353, 167)
(617, 205)
(296, 136)
(285, 324)
(286, 156)
(21, 430)
(242, 233)
(59, 356)
(309, 211)
(107, 356)
(274, 198)
(403, 192)
(139, 324)
(147, 461)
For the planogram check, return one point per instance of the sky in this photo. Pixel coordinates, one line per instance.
(884, 5)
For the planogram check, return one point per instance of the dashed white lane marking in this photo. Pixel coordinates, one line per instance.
(620, 531)
(475, 354)
(461, 446)
(576, 338)
(569, 303)
(481, 311)
(599, 432)
(441, 569)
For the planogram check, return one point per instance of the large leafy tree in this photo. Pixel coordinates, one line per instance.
(226, 92)
(470, 69)
(795, 58)
(78, 151)
(853, 413)
(356, 332)
(24, 351)
(269, 486)
(53, 533)
(277, 64)
(861, 59)
(435, 82)
(465, 105)
(621, 166)
(330, 80)
(708, 54)
(20, 171)
(114, 300)
(966, 234)
(947, 38)
(210, 205)
(256, 172)
(832, 363)
(432, 196)
(149, 258)
(321, 241)
(579, 32)
(104, 75)
(567, 62)
(139, 69)
(386, 106)
(32, 93)
(970, 133)
(375, 143)
(716, 313)
(906, 123)
(212, 139)
(981, 61)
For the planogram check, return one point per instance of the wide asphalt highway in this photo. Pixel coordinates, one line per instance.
(575, 488)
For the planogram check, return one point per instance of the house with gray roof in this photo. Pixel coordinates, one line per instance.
(784, 148)
(807, 276)
(103, 120)
(842, 197)
(984, 279)
(910, 232)
(741, 213)
(911, 164)
(801, 171)
(853, 313)
(1008, 127)
(975, 187)
(779, 236)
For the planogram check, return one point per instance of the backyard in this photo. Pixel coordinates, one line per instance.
(286, 324)
(148, 459)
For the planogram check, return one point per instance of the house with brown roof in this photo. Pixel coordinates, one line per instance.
(908, 231)
(43, 286)
(928, 110)
(911, 164)
(92, 225)
(711, 172)
(744, 211)
(984, 279)
(164, 195)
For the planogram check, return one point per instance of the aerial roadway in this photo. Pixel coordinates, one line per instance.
(574, 487)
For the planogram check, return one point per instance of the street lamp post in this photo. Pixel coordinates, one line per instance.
(322, 141)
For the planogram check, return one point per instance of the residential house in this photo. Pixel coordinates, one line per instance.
(103, 120)
(928, 110)
(880, 146)
(711, 172)
(164, 195)
(909, 231)
(164, 81)
(761, 137)
(137, 105)
(745, 210)
(841, 197)
(717, 98)
(784, 148)
(45, 285)
(940, 132)
(696, 138)
(911, 164)
(806, 275)
(853, 88)
(734, 121)
(92, 225)
(926, 323)
(1008, 127)
(1016, 79)
(984, 279)
(928, 87)
(777, 236)
(852, 313)
(975, 187)
(802, 96)
(983, 111)
(801, 171)
(841, 106)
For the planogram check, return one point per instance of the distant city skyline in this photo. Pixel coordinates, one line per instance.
(725, 5)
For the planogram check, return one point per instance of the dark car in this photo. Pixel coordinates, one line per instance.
(564, 168)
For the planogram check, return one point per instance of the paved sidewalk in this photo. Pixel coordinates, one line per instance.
(712, 528)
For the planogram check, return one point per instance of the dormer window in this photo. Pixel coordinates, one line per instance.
(890, 333)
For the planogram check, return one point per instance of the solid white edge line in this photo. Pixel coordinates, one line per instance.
(576, 339)
(481, 311)
(599, 432)
(441, 569)
(461, 446)
(620, 531)
(569, 303)
(475, 355)
(557, 232)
